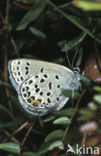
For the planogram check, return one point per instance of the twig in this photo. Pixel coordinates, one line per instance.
(28, 132)
(78, 102)
(12, 138)
(25, 7)
(15, 46)
(6, 51)
(7, 15)
(65, 5)
(83, 139)
(16, 131)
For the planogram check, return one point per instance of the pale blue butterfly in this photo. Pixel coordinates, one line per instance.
(39, 84)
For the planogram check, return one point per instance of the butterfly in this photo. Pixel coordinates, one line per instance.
(39, 84)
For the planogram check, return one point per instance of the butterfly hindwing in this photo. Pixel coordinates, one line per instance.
(42, 93)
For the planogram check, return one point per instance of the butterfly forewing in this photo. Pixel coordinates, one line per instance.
(21, 69)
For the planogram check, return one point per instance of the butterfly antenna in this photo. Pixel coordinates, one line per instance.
(67, 56)
(74, 57)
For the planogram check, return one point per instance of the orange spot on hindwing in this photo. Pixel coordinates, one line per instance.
(35, 103)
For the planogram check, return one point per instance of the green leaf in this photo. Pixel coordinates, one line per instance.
(2, 108)
(97, 98)
(58, 60)
(14, 100)
(6, 84)
(27, 1)
(10, 147)
(74, 42)
(70, 94)
(62, 120)
(9, 28)
(80, 55)
(33, 14)
(97, 88)
(48, 146)
(85, 111)
(37, 33)
(85, 117)
(55, 144)
(31, 154)
(57, 134)
(10, 125)
(85, 80)
(64, 112)
(50, 118)
(87, 5)
(43, 148)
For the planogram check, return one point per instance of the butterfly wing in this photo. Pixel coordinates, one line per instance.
(22, 69)
(39, 89)
(18, 71)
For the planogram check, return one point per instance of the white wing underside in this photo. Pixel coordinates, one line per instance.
(24, 71)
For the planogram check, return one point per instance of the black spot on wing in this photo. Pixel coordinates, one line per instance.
(41, 93)
(37, 90)
(48, 100)
(58, 86)
(26, 68)
(41, 70)
(57, 98)
(48, 94)
(27, 88)
(27, 63)
(36, 86)
(26, 72)
(42, 80)
(50, 85)
(18, 62)
(18, 73)
(57, 77)
(21, 78)
(36, 76)
(17, 68)
(25, 95)
(29, 93)
(45, 75)
(30, 82)
(23, 89)
(29, 100)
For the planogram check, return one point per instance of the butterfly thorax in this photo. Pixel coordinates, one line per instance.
(75, 79)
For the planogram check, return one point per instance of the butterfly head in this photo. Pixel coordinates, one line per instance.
(75, 83)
